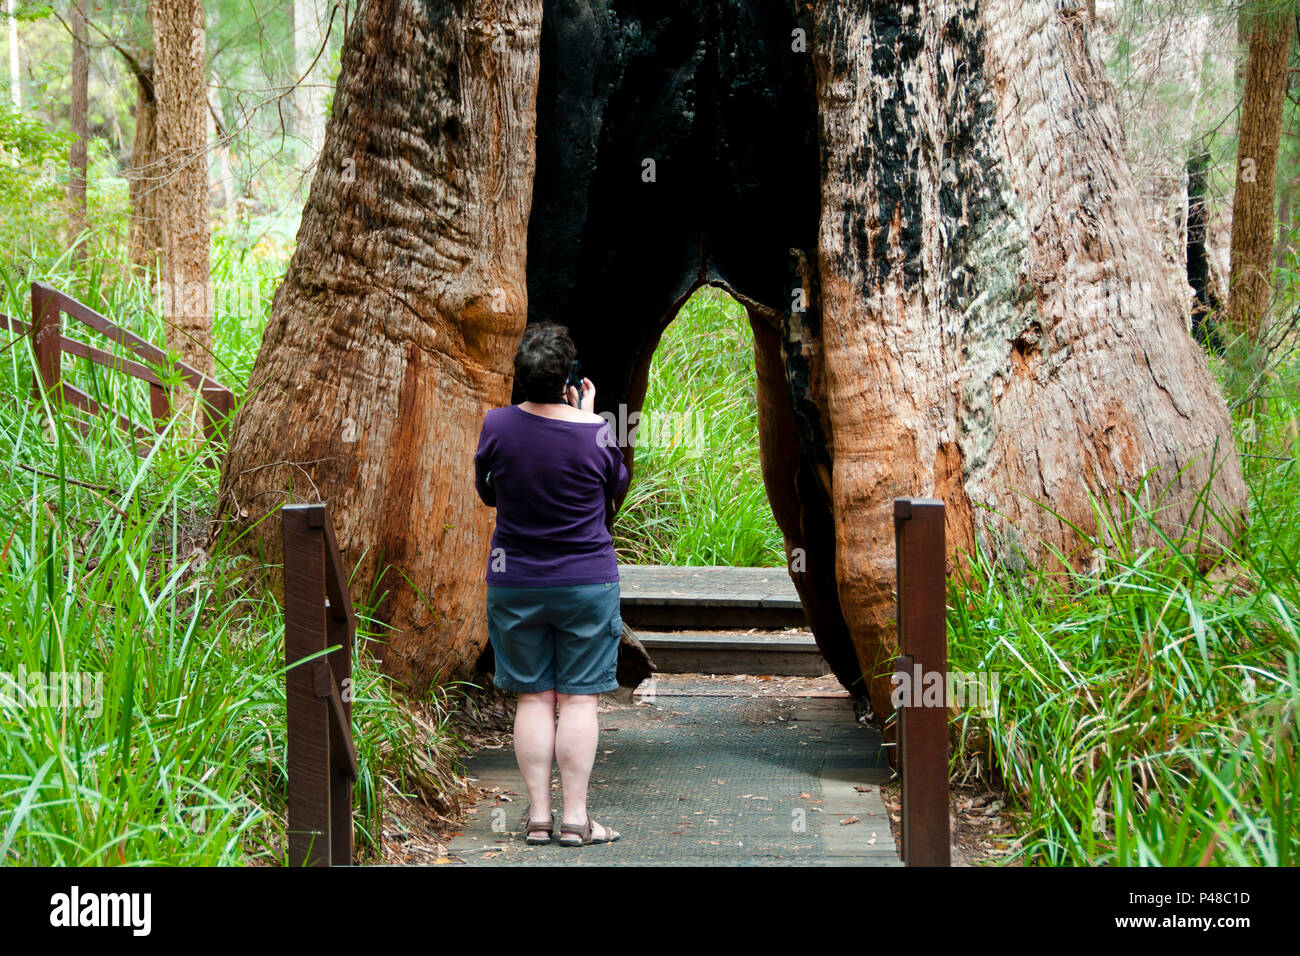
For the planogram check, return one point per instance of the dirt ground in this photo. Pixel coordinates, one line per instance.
(981, 836)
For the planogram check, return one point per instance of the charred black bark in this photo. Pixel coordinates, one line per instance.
(714, 95)
(1204, 329)
(815, 580)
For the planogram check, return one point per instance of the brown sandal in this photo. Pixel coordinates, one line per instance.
(583, 834)
(548, 828)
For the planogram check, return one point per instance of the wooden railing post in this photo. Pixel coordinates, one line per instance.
(160, 405)
(217, 402)
(320, 752)
(340, 624)
(47, 340)
(922, 666)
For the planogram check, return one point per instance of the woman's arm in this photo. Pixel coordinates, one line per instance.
(483, 468)
(616, 478)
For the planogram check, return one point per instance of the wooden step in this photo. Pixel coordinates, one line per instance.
(780, 653)
(666, 596)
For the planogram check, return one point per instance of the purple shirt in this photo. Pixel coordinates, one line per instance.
(549, 481)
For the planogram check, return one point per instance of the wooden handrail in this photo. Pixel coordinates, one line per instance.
(109, 360)
(124, 337)
(49, 343)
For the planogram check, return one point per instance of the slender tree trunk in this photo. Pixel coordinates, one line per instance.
(79, 122)
(995, 329)
(144, 179)
(225, 177)
(180, 86)
(15, 75)
(222, 175)
(309, 19)
(394, 330)
(1256, 190)
(1166, 51)
(1285, 224)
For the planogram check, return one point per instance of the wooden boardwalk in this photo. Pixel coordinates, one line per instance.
(705, 765)
(708, 771)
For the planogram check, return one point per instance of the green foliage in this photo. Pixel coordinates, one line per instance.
(33, 175)
(697, 497)
(178, 754)
(1148, 705)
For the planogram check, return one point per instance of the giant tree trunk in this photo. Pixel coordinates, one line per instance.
(395, 328)
(1257, 146)
(180, 86)
(981, 313)
(993, 326)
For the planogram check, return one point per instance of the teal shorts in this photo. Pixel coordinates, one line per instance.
(562, 638)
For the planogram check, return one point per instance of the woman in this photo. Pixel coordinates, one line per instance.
(552, 470)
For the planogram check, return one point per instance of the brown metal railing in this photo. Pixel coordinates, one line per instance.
(321, 756)
(923, 656)
(49, 344)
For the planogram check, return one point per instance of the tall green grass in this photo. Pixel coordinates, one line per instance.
(1149, 705)
(179, 755)
(701, 502)
(1147, 711)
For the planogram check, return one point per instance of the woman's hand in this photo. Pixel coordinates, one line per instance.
(588, 400)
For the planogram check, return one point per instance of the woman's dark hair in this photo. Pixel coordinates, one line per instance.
(543, 361)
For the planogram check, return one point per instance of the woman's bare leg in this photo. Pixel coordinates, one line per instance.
(535, 751)
(575, 750)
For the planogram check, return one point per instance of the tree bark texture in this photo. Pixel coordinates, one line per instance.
(994, 331)
(396, 325)
(180, 88)
(1253, 198)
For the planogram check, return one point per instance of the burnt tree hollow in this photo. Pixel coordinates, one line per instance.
(677, 146)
